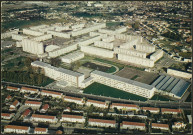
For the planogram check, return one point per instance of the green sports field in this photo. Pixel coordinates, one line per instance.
(103, 90)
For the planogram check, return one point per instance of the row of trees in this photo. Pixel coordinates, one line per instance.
(25, 77)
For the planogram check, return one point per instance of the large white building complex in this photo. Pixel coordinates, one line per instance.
(124, 84)
(74, 78)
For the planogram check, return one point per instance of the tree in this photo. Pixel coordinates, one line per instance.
(27, 62)
(55, 62)
(136, 25)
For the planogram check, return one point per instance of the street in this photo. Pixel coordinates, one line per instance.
(164, 104)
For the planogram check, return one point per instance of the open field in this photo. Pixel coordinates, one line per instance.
(99, 67)
(103, 90)
(137, 75)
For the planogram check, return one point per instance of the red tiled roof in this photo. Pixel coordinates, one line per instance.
(170, 110)
(16, 127)
(72, 116)
(40, 129)
(29, 89)
(13, 88)
(33, 102)
(125, 105)
(160, 125)
(133, 123)
(8, 97)
(102, 121)
(45, 107)
(95, 101)
(52, 92)
(15, 102)
(6, 114)
(26, 112)
(43, 116)
(150, 108)
(73, 98)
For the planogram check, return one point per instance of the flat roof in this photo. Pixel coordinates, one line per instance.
(171, 84)
(66, 71)
(115, 77)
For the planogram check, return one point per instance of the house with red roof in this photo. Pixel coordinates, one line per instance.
(12, 88)
(72, 118)
(7, 116)
(101, 123)
(33, 104)
(96, 103)
(170, 111)
(16, 129)
(160, 126)
(39, 130)
(14, 105)
(132, 125)
(74, 99)
(8, 98)
(44, 108)
(125, 106)
(151, 109)
(29, 90)
(43, 118)
(51, 93)
(26, 113)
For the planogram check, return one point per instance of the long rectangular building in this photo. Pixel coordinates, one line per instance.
(132, 125)
(130, 52)
(74, 78)
(97, 51)
(136, 60)
(71, 57)
(157, 55)
(16, 129)
(124, 84)
(60, 51)
(102, 123)
(103, 44)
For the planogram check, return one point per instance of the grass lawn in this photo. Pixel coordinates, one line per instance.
(120, 66)
(161, 98)
(103, 90)
(111, 70)
(15, 64)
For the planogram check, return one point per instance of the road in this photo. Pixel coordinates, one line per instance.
(19, 111)
(163, 104)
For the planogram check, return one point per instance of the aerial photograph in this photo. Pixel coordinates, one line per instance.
(96, 67)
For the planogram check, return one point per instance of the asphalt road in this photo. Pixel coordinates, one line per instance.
(163, 104)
